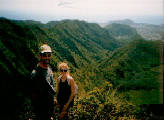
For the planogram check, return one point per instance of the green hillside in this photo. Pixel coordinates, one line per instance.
(98, 64)
(19, 41)
(73, 37)
(123, 33)
(18, 46)
(135, 67)
(79, 43)
(147, 31)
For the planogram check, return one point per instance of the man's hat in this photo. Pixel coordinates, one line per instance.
(45, 48)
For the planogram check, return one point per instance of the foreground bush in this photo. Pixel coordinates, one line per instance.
(104, 104)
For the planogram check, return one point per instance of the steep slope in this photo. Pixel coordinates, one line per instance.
(17, 50)
(78, 42)
(135, 71)
(123, 33)
(85, 46)
(84, 35)
(132, 67)
(88, 32)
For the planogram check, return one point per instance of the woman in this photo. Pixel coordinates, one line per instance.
(65, 90)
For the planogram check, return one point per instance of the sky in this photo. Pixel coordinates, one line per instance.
(90, 10)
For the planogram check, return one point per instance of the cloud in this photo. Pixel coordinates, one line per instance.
(83, 9)
(64, 3)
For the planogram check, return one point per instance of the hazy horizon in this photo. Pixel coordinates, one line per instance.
(97, 11)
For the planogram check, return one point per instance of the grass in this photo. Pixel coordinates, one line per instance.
(142, 96)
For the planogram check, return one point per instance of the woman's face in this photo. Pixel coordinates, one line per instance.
(63, 70)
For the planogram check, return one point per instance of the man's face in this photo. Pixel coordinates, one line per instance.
(45, 57)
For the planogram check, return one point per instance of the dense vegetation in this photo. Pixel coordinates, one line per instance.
(135, 68)
(17, 49)
(108, 72)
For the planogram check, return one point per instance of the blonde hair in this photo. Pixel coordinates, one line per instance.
(63, 64)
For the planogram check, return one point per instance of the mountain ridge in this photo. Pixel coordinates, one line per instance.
(94, 55)
(122, 32)
(147, 31)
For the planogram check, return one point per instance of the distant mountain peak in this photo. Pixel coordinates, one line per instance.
(125, 21)
(147, 31)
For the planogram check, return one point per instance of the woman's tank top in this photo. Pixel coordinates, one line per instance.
(64, 92)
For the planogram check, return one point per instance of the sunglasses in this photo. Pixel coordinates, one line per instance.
(46, 54)
(63, 70)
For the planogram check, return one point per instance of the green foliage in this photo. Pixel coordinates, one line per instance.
(103, 103)
(143, 96)
(18, 46)
(94, 55)
(134, 67)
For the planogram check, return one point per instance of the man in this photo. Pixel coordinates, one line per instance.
(43, 86)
